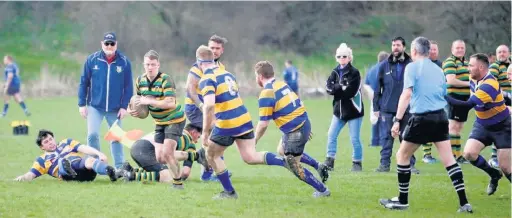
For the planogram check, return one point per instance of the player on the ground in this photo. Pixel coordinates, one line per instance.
(67, 161)
(279, 102)
(229, 121)
(143, 153)
(492, 123)
(456, 71)
(158, 91)
(499, 70)
(194, 99)
(12, 85)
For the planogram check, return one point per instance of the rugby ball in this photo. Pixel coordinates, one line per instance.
(142, 110)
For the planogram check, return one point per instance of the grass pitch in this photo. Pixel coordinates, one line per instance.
(264, 191)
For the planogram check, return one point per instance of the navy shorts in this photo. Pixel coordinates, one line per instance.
(195, 117)
(12, 90)
(295, 142)
(497, 134)
(82, 174)
(228, 140)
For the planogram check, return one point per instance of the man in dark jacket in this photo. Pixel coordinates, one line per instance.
(344, 84)
(385, 100)
(106, 86)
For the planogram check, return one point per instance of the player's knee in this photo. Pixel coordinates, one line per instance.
(470, 155)
(89, 163)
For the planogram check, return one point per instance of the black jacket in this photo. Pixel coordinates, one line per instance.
(347, 102)
(390, 83)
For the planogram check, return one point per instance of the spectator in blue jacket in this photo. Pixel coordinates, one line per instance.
(371, 80)
(385, 99)
(291, 76)
(106, 87)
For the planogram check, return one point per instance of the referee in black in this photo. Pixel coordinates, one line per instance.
(424, 89)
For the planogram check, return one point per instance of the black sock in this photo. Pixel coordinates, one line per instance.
(404, 176)
(508, 176)
(483, 165)
(457, 178)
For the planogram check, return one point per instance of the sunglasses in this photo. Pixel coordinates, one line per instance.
(109, 43)
(344, 56)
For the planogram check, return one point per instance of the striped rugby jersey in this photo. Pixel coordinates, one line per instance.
(279, 103)
(232, 117)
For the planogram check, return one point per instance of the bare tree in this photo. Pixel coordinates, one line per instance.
(480, 24)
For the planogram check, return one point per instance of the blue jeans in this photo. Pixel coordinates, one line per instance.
(354, 127)
(386, 123)
(94, 120)
(376, 138)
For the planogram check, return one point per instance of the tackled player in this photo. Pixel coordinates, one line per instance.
(66, 160)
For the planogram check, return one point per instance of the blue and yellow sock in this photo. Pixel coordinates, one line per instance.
(273, 160)
(309, 160)
(311, 180)
(225, 181)
(207, 173)
(483, 165)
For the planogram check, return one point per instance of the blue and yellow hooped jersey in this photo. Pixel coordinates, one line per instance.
(232, 117)
(489, 103)
(279, 103)
(47, 163)
(197, 73)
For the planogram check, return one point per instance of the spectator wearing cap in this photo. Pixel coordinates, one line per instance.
(344, 83)
(105, 89)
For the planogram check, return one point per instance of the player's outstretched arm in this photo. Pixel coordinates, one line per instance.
(92, 151)
(192, 85)
(260, 129)
(26, 177)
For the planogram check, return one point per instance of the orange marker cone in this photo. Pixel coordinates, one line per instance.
(116, 133)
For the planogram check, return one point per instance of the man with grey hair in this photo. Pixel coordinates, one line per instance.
(424, 88)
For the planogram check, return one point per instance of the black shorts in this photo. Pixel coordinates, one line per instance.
(172, 131)
(427, 127)
(294, 142)
(459, 113)
(228, 140)
(82, 175)
(499, 134)
(143, 153)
